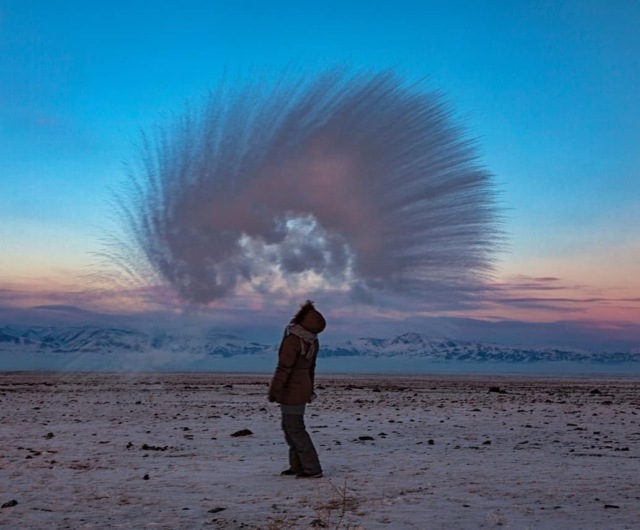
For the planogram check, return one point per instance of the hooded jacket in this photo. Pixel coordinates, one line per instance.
(292, 382)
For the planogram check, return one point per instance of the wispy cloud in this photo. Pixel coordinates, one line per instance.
(62, 308)
(551, 298)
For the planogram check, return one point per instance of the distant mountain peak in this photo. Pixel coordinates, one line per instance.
(409, 345)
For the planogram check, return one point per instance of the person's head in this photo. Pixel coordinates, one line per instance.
(309, 318)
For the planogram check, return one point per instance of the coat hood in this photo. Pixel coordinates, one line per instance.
(309, 318)
(313, 321)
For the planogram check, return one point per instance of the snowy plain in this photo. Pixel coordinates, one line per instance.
(155, 450)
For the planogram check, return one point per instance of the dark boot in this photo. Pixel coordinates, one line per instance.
(301, 449)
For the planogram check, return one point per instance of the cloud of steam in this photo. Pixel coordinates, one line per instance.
(351, 181)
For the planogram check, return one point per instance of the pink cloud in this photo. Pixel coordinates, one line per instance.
(551, 298)
(523, 301)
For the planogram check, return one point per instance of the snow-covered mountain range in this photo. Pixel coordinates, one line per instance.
(112, 340)
(96, 340)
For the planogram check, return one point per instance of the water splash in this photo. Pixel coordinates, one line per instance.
(346, 181)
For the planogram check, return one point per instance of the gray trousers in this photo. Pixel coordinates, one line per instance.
(302, 453)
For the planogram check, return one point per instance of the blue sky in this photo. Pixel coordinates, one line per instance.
(550, 89)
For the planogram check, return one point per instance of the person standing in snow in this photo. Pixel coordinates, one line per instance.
(292, 387)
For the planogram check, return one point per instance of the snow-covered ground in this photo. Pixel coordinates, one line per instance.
(156, 451)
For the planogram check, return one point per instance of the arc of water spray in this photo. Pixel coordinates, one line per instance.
(345, 180)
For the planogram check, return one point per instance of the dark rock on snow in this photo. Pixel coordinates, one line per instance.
(242, 432)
